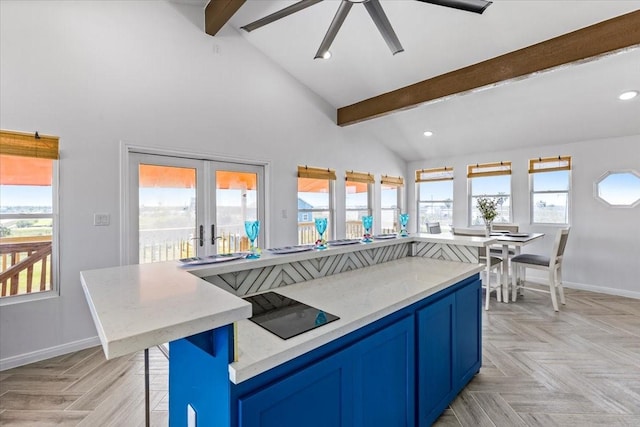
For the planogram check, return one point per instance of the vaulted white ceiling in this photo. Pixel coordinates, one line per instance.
(574, 103)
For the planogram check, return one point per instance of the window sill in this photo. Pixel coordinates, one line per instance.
(19, 299)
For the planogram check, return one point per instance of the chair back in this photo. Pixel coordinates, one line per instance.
(482, 251)
(511, 228)
(467, 232)
(559, 245)
(433, 228)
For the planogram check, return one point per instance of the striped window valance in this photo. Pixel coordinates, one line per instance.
(488, 169)
(434, 174)
(24, 144)
(316, 173)
(550, 164)
(392, 180)
(352, 176)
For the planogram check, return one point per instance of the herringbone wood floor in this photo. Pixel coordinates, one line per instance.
(579, 367)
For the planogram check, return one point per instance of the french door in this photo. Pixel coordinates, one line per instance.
(181, 207)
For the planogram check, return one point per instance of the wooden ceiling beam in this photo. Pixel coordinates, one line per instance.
(218, 12)
(607, 36)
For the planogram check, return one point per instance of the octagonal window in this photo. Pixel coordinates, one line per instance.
(619, 188)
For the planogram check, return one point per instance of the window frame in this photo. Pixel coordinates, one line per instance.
(365, 178)
(485, 170)
(596, 188)
(320, 174)
(533, 171)
(41, 146)
(425, 176)
(398, 185)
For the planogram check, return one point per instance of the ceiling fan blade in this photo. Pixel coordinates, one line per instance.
(296, 7)
(341, 14)
(477, 6)
(384, 26)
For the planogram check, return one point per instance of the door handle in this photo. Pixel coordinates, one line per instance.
(213, 234)
(201, 238)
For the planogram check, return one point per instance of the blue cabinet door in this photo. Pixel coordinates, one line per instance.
(435, 359)
(313, 397)
(370, 383)
(384, 380)
(468, 344)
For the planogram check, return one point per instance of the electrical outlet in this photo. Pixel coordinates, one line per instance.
(101, 219)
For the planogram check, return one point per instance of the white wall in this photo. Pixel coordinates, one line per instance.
(603, 251)
(98, 74)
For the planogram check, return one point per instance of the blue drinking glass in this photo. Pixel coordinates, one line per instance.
(367, 223)
(404, 220)
(252, 229)
(321, 227)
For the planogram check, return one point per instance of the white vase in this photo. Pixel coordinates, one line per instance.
(487, 230)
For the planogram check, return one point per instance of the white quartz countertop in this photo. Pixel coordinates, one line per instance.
(358, 297)
(138, 306)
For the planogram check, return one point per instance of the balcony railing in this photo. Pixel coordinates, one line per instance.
(25, 265)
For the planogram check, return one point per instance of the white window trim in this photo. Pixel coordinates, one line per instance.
(471, 207)
(55, 250)
(533, 193)
(332, 217)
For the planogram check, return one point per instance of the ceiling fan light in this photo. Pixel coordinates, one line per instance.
(628, 95)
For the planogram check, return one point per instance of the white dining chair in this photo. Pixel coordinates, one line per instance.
(511, 228)
(491, 264)
(552, 265)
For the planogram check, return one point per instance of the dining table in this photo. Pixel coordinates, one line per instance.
(517, 241)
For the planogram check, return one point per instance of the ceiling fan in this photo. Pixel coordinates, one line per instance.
(375, 11)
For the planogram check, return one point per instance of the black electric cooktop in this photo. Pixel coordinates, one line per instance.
(284, 316)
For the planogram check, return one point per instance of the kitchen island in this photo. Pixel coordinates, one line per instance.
(408, 338)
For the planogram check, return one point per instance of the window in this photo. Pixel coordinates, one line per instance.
(550, 182)
(490, 180)
(315, 200)
(435, 197)
(27, 213)
(620, 189)
(357, 202)
(390, 202)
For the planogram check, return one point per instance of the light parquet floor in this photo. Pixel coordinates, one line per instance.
(579, 367)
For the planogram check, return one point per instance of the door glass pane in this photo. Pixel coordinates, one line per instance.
(167, 213)
(236, 202)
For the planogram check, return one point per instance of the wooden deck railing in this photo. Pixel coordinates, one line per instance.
(25, 265)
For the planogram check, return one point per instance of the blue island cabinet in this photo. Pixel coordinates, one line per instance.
(402, 370)
(366, 384)
(449, 349)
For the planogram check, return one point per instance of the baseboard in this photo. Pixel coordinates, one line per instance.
(47, 353)
(602, 290)
(581, 286)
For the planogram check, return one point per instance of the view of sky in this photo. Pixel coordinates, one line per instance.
(620, 188)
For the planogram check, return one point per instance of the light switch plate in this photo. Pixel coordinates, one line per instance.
(101, 219)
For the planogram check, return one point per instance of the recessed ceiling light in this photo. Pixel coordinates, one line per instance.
(628, 95)
(427, 133)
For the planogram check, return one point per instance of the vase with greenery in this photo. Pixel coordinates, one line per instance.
(488, 207)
